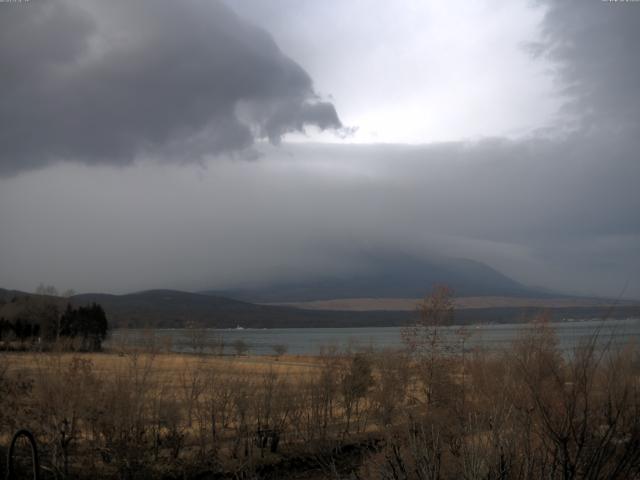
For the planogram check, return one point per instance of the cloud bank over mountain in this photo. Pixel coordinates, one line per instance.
(556, 207)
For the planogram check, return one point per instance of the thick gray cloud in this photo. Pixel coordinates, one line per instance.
(313, 209)
(558, 208)
(107, 82)
(592, 46)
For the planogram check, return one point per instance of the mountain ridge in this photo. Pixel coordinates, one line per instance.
(178, 309)
(390, 275)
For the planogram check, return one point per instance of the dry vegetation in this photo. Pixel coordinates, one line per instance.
(409, 304)
(424, 413)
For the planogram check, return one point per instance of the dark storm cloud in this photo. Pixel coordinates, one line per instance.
(102, 82)
(558, 208)
(594, 47)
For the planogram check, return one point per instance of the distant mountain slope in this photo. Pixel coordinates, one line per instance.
(174, 309)
(8, 295)
(392, 276)
(15, 304)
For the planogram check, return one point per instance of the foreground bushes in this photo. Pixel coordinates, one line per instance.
(527, 413)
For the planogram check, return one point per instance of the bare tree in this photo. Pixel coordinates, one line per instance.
(48, 290)
(240, 346)
(197, 338)
(280, 349)
(355, 381)
(426, 339)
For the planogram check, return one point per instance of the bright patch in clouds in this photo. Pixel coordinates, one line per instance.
(419, 72)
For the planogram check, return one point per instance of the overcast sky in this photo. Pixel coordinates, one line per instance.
(199, 144)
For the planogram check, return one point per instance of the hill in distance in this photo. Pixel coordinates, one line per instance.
(177, 309)
(17, 304)
(391, 276)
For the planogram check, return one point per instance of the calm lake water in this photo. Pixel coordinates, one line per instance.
(310, 341)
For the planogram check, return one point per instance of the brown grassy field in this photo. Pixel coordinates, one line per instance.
(410, 304)
(141, 411)
(168, 365)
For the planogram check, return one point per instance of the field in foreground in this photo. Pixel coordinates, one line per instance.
(168, 368)
(421, 413)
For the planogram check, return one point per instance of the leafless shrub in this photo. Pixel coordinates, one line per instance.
(122, 417)
(417, 456)
(215, 343)
(279, 349)
(240, 346)
(271, 410)
(356, 378)
(583, 409)
(64, 391)
(389, 388)
(241, 400)
(427, 342)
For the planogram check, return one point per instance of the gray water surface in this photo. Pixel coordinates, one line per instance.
(311, 341)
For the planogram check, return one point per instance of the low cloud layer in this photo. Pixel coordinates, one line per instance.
(557, 208)
(102, 82)
(569, 225)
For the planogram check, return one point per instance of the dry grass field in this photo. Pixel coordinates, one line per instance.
(120, 414)
(410, 304)
(165, 365)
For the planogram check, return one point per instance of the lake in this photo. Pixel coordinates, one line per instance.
(310, 341)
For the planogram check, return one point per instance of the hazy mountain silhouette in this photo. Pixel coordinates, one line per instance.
(391, 275)
(172, 308)
(176, 309)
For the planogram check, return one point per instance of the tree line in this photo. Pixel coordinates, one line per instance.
(83, 328)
